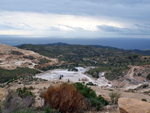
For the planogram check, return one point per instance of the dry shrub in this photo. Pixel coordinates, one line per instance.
(84, 79)
(114, 97)
(64, 97)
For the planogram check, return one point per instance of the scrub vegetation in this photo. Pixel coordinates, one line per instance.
(11, 75)
(111, 60)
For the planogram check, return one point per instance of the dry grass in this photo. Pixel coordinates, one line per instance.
(114, 97)
(65, 97)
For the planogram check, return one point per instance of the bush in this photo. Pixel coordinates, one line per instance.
(114, 97)
(145, 86)
(144, 100)
(84, 90)
(64, 97)
(96, 103)
(139, 74)
(91, 84)
(24, 92)
(90, 95)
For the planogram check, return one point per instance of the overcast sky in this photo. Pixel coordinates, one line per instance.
(75, 18)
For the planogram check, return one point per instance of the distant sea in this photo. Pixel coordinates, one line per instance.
(122, 43)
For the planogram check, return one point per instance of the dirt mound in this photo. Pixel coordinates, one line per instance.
(127, 105)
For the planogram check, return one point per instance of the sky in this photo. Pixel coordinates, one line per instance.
(75, 18)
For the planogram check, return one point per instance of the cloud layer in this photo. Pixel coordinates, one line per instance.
(75, 18)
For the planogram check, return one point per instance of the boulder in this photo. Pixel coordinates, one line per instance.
(128, 105)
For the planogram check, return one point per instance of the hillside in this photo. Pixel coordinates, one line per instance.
(114, 61)
(143, 52)
(125, 70)
(15, 62)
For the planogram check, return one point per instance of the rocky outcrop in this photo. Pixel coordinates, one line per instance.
(128, 105)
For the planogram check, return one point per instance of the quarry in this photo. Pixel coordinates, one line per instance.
(72, 76)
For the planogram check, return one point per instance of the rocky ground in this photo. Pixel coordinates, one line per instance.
(37, 86)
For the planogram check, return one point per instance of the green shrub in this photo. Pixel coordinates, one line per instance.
(92, 99)
(72, 69)
(24, 92)
(84, 90)
(145, 86)
(143, 99)
(96, 103)
(91, 84)
(139, 74)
